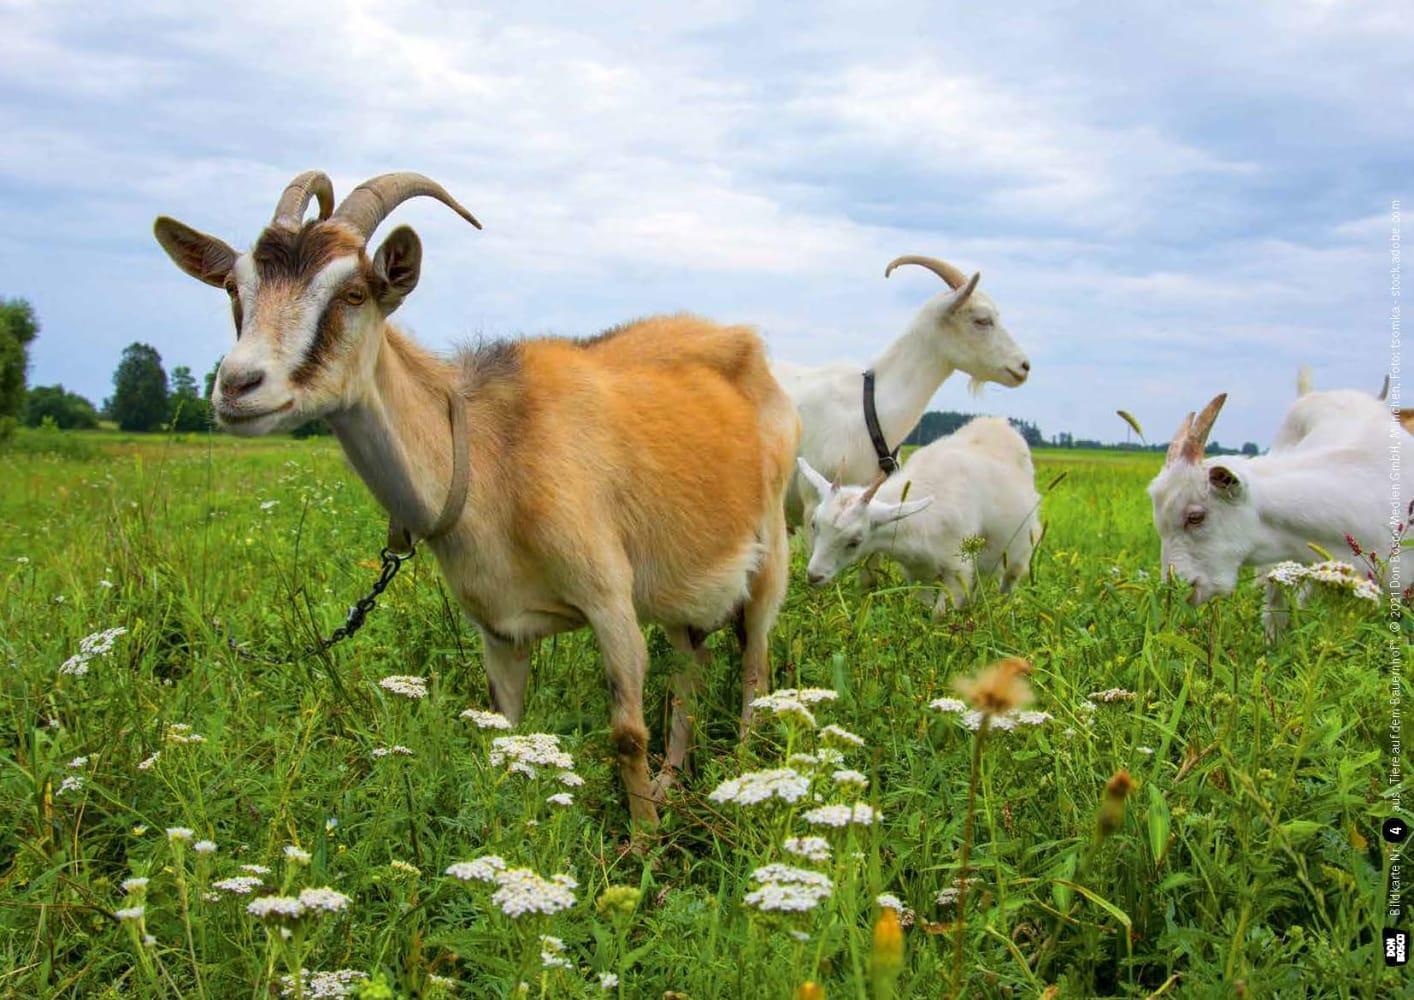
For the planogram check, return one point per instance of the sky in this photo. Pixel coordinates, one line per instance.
(1165, 201)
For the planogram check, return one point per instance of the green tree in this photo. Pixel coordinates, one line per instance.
(18, 328)
(189, 411)
(139, 400)
(68, 410)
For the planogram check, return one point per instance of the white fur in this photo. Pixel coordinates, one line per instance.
(945, 336)
(978, 482)
(1327, 475)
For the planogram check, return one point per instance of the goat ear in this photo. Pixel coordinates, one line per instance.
(888, 513)
(1224, 481)
(819, 483)
(203, 257)
(397, 265)
(964, 293)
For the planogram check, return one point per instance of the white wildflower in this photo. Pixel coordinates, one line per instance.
(847, 777)
(531, 751)
(130, 912)
(78, 762)
(180, 833)
(813, 696)
(486, 720)
(323, 985)
(786, 704)
(323, 898)
(296, 855)
(406, 685)
(402, 866)
(255, 869)
(608, 981)
(278, 907)
(569, 779)
(204, 847)
(784, 783)
(72, 783)
(552, 953)
(888, 901)
(803, 760)
(521, 891)
(860, 814)
(397, 748)
(954, 705)
(483, 869)
(147, 763)
(181, 734)
(787, 889)
(268, 504)
(241, 885)
(1111, 695)
(815, 849)
(1146, 751)
(834, 732)
(561, 799)
(136, 884)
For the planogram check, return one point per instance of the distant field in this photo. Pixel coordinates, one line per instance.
(1248, 852)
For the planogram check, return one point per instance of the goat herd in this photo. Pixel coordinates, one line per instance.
(652, 473)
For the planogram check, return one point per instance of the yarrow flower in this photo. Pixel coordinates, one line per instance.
(255, 869)
(527, 753)
(608, 981)
(847, 777)
(297, 855)
(561, 799)
(859, 814)
(552, 953)
(521, 891)
(133, 913)
(955, 705)
(786, 889)
(180, 833)
(324, 899)
(276, 908)
(785, 703)
(815, 849)
(146, 765)
(888, 901)
(241, 885)
(1111, 695)
(322, 985)
(397, 748)
(204, 847)
(136, 884)
(784, 783)
(569, 779)
(486, 720)
(406, 685)
(73, 783)
(90, 648)
(180, 733)
(78, 762)
(1007, 721)
(841, 735)
(483, 869)
(1333, 574)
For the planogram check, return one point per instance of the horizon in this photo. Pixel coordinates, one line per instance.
(1223, 221)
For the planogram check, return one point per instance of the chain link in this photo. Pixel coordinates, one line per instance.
(357, 616)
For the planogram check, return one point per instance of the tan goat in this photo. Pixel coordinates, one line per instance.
(635, 476)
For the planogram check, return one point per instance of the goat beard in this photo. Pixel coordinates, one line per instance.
(975, 386)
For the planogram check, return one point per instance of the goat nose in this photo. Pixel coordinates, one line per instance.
(1026, 366)
(815, 579)
(240, 382)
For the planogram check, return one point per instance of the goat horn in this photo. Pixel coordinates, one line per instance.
(1384, 391)
(374, 200)
(1180, 440)
(310, 184)
(955, 278)
(868, 494)
(1202, 425)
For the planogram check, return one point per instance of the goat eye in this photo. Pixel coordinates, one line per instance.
(984, 321)
(1194, 518)
(355, 296)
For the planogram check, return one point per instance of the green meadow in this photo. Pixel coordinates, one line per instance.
(1244, 858)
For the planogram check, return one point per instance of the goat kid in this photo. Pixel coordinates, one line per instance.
(978, 482)
(1325, 477)
(635, 476)
(956, 330)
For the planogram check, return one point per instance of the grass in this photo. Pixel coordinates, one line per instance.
(1248, 851)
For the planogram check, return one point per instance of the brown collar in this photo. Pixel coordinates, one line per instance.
(400, 537)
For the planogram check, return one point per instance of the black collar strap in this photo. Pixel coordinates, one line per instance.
(888, 460)
(400, 537)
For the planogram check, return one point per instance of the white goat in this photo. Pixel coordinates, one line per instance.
(959, 329)
(1325, 477)
(977, 483)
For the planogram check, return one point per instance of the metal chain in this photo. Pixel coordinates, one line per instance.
(358, 613)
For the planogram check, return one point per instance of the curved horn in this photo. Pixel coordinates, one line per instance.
(310, 184)
(372, 201)
(955, 278)
(1384, 391)
(868, 494)
(1202, 425)
(1180, 439)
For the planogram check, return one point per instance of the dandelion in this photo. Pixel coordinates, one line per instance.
(406, 685)
(73, 783)
(483, 869)
(999, 688)
(521, 891)
(180, 834)
(527, 753)
(240, 885)
(204, 847)
(130, 913)
(846, 777)
(296, 855)
(841, 735)
(323, 899)
(136, 884)
(147, 764)
(815, 849)
(561, 799)
(784, 783)
(486, 720)
(837, 816)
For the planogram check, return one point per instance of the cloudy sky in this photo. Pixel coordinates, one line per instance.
(1165, 203)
